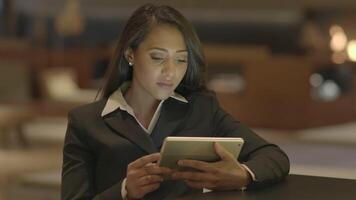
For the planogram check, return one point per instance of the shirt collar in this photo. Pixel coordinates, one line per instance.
(117, 100)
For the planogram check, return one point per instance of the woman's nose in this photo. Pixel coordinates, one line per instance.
(169, 69)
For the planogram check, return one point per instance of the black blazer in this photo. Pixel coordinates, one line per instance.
(98, 149)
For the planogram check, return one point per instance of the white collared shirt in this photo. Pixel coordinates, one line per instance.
(117, 100)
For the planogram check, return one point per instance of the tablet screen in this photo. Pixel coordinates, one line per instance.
(196, 148)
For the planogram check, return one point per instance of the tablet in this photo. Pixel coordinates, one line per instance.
(196, 148)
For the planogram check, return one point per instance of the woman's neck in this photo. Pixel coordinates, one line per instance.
(143, 105)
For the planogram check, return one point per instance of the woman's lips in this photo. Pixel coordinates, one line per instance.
(165, 85)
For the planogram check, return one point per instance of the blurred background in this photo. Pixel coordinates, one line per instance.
(285, 68)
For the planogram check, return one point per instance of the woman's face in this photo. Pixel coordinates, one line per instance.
(159, 62)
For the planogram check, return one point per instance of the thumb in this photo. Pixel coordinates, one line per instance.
(221, 151)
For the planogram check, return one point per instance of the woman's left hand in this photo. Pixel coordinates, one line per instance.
(226, 174)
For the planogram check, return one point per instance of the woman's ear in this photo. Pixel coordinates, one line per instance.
(129, 55)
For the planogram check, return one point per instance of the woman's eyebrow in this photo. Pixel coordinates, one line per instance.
(162, 49)
(181, 51)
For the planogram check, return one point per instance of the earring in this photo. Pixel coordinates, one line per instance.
(131, 64)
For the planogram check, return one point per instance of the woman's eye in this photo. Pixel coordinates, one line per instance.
(156, 58)
(181, 60)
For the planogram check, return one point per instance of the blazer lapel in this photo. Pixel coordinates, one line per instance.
(172, 114)
(125, 125)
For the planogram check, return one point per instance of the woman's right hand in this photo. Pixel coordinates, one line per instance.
(144, 176)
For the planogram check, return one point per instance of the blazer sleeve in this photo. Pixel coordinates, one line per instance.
(78, 168)
(267, 161)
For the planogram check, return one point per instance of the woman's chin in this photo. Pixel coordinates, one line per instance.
(163, 96)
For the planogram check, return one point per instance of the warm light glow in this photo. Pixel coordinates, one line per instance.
(351, 50)
(70, 21)
(338, 42)
(316, 80)
(335, 29)
(338, 58)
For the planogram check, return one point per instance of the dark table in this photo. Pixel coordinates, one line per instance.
(295, 187)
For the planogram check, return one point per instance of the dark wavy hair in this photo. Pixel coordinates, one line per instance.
(136, 30)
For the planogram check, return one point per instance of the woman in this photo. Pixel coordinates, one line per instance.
(155, 88)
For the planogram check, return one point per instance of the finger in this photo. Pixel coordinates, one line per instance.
(222, 152)
(194, 176)
(155, 169)
(196, 164)
(149, 188)
(149, 169)
(144, 160)
(150, 179)
(201, 185)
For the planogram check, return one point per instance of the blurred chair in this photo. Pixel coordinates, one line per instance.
(15, 79)
(44, 185)
(59, 84)
(15, 87)
(36, 169)
(12, 120)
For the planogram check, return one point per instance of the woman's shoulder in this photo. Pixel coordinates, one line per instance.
(203, 99)
(89, 110)
(202, 96)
